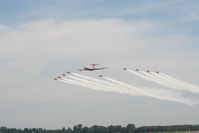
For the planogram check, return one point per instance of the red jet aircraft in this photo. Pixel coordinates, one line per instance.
(100, 76)
(124, 68)
(64, 74)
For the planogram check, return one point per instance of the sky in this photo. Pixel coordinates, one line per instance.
(41, 39)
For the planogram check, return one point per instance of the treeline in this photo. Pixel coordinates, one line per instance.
(171, 128)
(130, 128)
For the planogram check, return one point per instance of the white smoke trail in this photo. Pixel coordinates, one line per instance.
(173, 83)
(84, 80)
(108, 84)
(156, 79)
(76, 83)
(156, 93)
(88, 84)
(161, 81)
(147, 77)
(82, 84)
(95, 80)
(85, 85)
(96, 84)
(150, 92)
(124, 85)
(158, 75)
(164, 81)
(177, 83)
(194, 87)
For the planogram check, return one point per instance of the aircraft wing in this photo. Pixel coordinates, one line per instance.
(101, 68)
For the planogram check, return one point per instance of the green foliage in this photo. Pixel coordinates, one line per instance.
(171, 128)
(130, 128)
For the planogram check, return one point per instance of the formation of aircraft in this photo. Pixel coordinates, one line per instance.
(64, 74)
(57, 78)
(94, 68)
(137, 70)
(126, 69)
(91, 68)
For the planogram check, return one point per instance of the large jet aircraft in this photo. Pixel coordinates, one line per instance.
(92, 68)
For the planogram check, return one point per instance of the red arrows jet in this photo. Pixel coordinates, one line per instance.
(157, 72)
(64, 74)
(100, 76)
(57, 78)
(92, 68)
(124, 68)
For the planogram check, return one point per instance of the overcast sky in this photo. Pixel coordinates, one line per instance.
(41, 39)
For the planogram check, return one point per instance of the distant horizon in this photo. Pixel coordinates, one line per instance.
(153, 128)
(65, 126)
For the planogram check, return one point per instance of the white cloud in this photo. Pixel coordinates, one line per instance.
(40, 42)
(40, 45)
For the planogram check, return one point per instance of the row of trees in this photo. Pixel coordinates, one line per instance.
(130, 128)
(168, 128)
